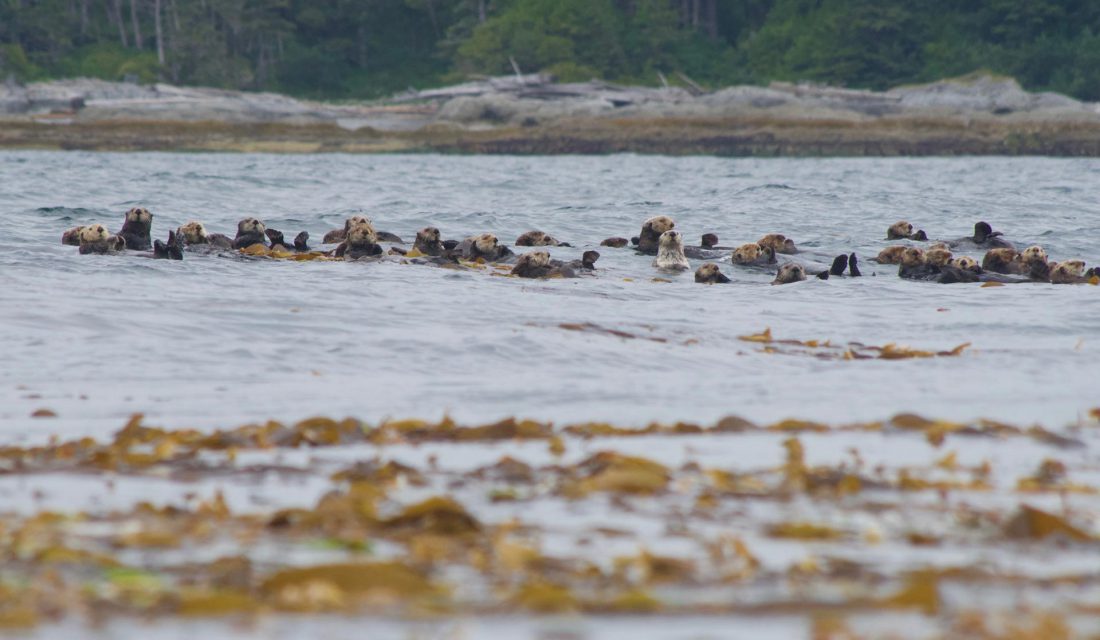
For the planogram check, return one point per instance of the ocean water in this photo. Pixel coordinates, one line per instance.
(218, 341)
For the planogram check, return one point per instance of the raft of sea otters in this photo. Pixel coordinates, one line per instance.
(359, 240)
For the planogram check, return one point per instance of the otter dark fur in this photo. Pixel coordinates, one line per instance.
(538, 239)
(250, 231)
(300, 244)
(709, 273)
(649, 239)
(136, 228)
(616, 243)
(428, 242)
(171, 250)
(984, 238)
(484, 247)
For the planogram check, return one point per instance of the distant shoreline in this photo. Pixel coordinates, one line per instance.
(531, 115)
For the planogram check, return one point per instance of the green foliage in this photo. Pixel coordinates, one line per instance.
(371, 48)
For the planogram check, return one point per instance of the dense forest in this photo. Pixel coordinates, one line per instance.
(370, 48)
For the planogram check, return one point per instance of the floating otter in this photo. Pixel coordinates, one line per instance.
(250, 231)
(428, 243)
(586, 264)
(193, 234)
(533, 264)
(171, 250)
(617, 243)
(778, 243)
(538, 239)
(1069, 272)
(891, 255)
(484, 247)
(72, 236)
(709, 273)
(649, 239)
(902, 230)
(938, 255)
(361, 241)
(984, 237)
(95, 239)
(135, 229)
(339, 235)
(1002, 260)
(753, 254)
(790, 272)
(914, 266)
(670, 252)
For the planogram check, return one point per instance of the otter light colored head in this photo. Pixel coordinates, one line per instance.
(429, 235)
(251, 225)
(671, 240)
(356, 220)
(966, 263)
(486, 243)
(192, 233)
(658, 225)
(891, 255)
(938, 257)
(912, 257)
(93, 233)
(746, 253)
(139, 214)
(1072, 267)
(898, 230)
(537, 258)
(362, 234)
(1033, 254)
(789, 273)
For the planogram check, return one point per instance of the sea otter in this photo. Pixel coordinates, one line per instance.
(72, 236)
(484, 247)
(778, 243)
(914, 266)
(902, 230)
(790, 272)
(193, 234)
(670, 252)
(135, 229)
(338, 235)
(538, 239)
(649, 239)
(533, 264)
(95, 239)
(1002, 260)
(1068, 272)
(984, 238)
(709, 273)
(938, 255)
(300, 244)
(428, 242)
(361, 241)
(753, 254)
(710, 241)
(891, 255)
(171, 250)
(250, 231)
(616, 243)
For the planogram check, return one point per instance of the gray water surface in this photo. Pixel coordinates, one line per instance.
(214, 341)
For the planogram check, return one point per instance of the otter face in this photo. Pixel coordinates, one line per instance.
(362, 234)
(898, 230)
(536, 258)
(428, 235)
(966, 263)
(657, 225)
(912, 257)
(709, 273)
(535, 239)
(937, 257)
(589, 258)
(671, 241)
(192, 233)
(486, 243)
(709, 240)
(746, 253)
(891, 255)
(140, 215)
(778, 243)
(1074, 268)
(93, 234)
(1032, 254)
(354, 221)
(790, 272)
(251, 226)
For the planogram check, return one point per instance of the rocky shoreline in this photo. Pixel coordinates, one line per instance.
(979, 115)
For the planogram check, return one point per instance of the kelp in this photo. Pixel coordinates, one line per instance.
(825, 349)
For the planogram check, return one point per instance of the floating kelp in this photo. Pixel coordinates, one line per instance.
(825, 349)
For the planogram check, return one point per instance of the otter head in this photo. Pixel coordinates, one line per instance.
(912, 257)
(251, 226)
(535, 239)
(192, 233)
(589, 258)
(139, 215)
(93, 234)
(361, 235)
(709, 273)
(898, 230)
(536, 258)
(428, 236)
(657, 225)
(890, 255)
(966, 263)
(486, 243)
(671, 241)
(709, 241)
(355, 220)
(788, 273)
(788, 246)
(746, 253)
(937, 256)
(1069, 268)
(1033, 254)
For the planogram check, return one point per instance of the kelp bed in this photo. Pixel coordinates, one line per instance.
(979, 529)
